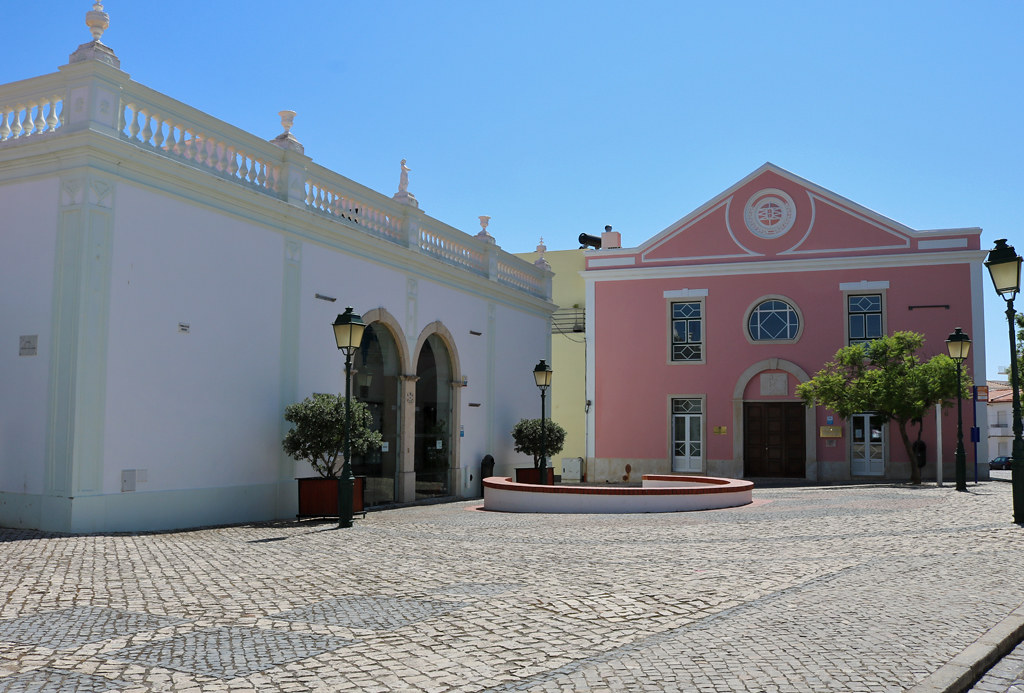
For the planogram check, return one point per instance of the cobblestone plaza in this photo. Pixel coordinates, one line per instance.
(847, 588)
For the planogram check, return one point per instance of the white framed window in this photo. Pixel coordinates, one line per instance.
(687, 434)
(686, 329)
(864, 310)
(865, 318)
(773, 319)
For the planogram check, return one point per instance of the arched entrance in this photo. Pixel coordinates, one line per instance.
(375, 382)
(433, 419)
(773, 430)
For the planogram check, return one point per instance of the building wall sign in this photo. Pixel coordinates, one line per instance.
(28, 345)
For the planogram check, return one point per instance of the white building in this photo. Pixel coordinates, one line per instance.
(1000, 418)
(170, 281)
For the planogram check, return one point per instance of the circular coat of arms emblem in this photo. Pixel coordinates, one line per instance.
(769, 213)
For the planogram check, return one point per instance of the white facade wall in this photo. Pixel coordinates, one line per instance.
(516, 398)
(176, 312)
(26, 296)
(191, 408)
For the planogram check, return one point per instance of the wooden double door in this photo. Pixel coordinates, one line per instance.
(774, 439)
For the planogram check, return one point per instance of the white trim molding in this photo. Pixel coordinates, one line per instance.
(686, 293)
(863, 286)
(867, 262)
(943, 243)
(611, 261)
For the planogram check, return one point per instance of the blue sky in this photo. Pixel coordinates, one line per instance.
(557, 118)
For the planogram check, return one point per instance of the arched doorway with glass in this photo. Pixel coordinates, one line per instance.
(433, 419)
(375, 381)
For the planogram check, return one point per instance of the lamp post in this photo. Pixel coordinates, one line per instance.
(958, 345)
(348, 333)
(542, 375)
(1003, 265)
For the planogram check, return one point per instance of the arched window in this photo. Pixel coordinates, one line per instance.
(773, 320)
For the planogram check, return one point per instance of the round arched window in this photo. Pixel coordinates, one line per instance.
(773, 320)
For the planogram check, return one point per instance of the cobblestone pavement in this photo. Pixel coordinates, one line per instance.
(1007, 676)
(851, 588)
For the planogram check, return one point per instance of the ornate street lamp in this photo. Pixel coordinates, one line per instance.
(1003, 264)
(348, 333)
(958, 345)
(542, 375)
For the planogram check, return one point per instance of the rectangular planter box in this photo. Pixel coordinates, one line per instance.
(531, 475)
(318, 497)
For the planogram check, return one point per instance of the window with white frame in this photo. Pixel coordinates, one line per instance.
(773, 320)
(687, 318)
(864, 318)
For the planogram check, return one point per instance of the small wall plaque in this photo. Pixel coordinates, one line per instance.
(774, 384)
(831, 432)
(28, 345)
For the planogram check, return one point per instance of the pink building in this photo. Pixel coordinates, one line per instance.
(699, 336)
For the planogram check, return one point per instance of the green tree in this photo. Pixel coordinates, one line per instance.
(318, 435)
(886, 376)
(527, 437)
(1020, 344)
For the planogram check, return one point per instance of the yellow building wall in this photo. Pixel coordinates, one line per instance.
(568, 395)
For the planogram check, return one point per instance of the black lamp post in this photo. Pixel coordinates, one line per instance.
(958, 345)
(348, 333)
(542, 374)
(1004, 266)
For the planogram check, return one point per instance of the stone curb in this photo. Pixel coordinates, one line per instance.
(964, 670)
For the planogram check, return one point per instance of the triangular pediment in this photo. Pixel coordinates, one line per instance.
(774, 214)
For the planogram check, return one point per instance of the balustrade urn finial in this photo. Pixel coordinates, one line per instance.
(286, 140)
(287, 120)
(97, 20)
(482, 234)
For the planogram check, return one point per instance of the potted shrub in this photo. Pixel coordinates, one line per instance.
(527, 437)
(318, 437)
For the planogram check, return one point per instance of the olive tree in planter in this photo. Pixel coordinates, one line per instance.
(527, 437)
(318, 437)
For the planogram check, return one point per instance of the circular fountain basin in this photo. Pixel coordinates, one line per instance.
(660, 493)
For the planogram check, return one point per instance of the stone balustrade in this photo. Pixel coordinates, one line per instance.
(151, 120)
(336, 196)
(516, 276)
(439, 242)
(31, 107)
(147, 119)
(333, 195)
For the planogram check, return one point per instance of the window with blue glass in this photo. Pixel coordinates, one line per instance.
(864, 315)
(688, 331)
(773, 320)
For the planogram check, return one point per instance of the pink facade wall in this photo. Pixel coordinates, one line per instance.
(714, 251)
